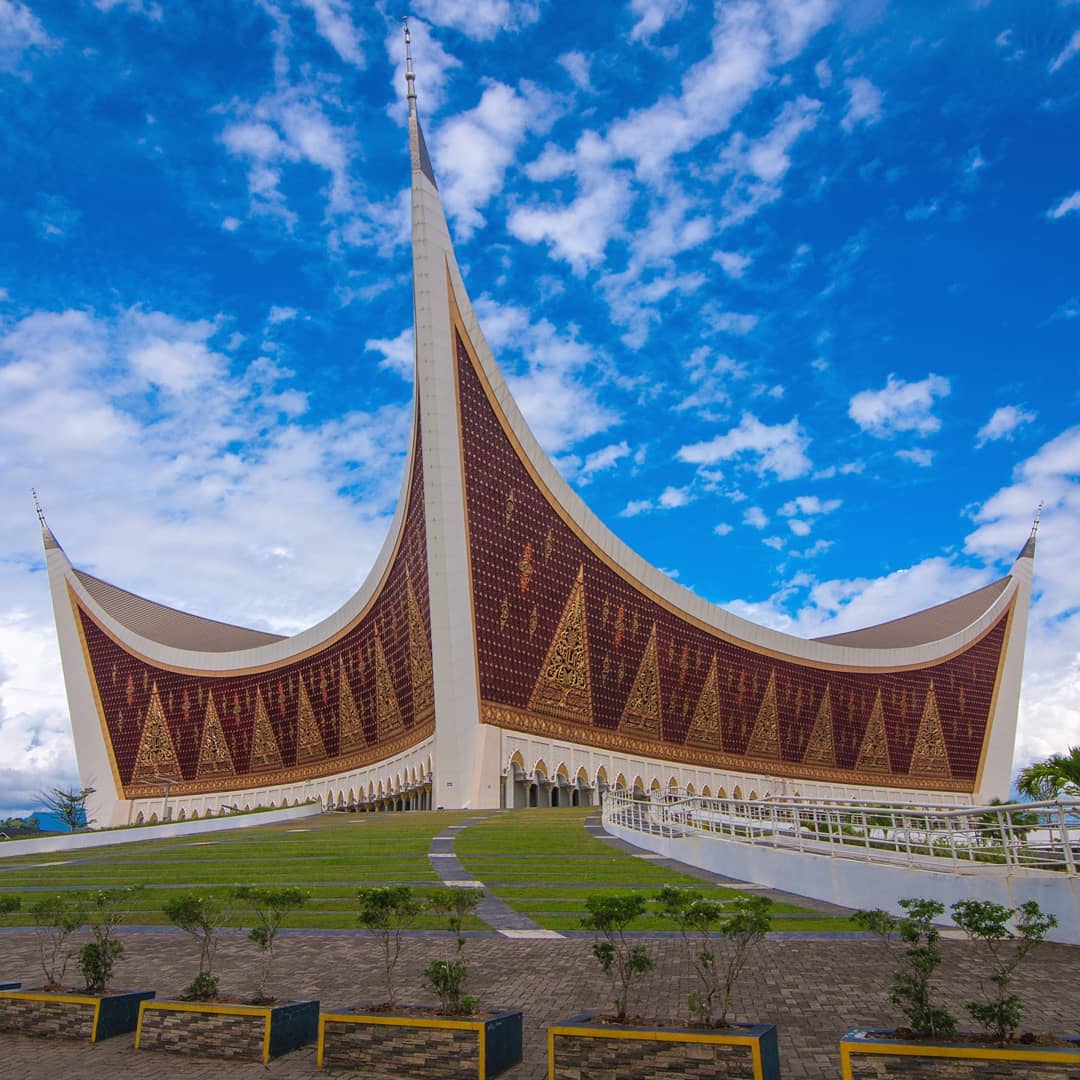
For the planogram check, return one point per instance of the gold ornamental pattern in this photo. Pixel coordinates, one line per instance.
(565, 684)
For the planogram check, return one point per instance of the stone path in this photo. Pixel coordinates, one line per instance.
(495, 912)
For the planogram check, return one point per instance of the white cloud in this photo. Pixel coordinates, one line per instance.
(281, 314)
(809, 506)
(732, 322)
(899, 406)
(473, 149)
(799, 527)
(1069, 310)
(920, 456)
(231, 224)
(602, 460)
(776, 448)
(398, 353)
(556, 383)
(755, 517)
(733, 263)
(334, 23)
(824, 73)
(774, 542)
(1066, 54)
(723, 529)
(673, 497)
(635, 507)
(20, 29)
(577, 65)
(1001, 425)
(864, 105)
(138, 7)
(480, 20)
(652, 15)
(433, 66)
(1068, 205)
(712, 378)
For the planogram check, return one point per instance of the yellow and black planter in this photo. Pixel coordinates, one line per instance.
(581, 1048)
(866, 1054)
(70, 1016)
(234, 1032)
(421, 1044)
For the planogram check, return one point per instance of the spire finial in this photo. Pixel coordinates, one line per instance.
(37, 507)
(410, 76)
(1038, 515)
(1028, 550)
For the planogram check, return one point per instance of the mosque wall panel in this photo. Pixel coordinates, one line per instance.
(362, 697)
(569, 647)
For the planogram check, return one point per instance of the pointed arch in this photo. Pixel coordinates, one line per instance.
(655, 785)
(690, 789)
(620, 782)
(736, 792)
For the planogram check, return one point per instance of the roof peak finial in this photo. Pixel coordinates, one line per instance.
(1038, 516)
(37, 507)
(1028, 550)
(410, 76)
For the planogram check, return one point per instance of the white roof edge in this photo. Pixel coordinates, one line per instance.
(260, 655)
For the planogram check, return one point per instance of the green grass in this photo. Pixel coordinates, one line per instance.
(332, 855)
(510, 851)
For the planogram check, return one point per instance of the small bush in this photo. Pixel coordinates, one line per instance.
(200, 915)
(609, 915)
(106, 910)
(9, 904)
(912, 989)
(388, 910)
(270, 907)
(987, 923)
(55, 918)
(449, 978)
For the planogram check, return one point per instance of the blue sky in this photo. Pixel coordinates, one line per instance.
(787, 288)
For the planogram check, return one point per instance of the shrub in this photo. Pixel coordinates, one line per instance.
(449, 978)
(56, 918)
(987, 923)
(106, 911)
(271, 907)
(388, 910)
(609, 915)
(741, 928)
(912, 987)
(200, 915)
(9, 904)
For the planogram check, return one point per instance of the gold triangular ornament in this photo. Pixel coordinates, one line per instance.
(705, 725)
(874, 752)
(642, 714)
(820, 748)
(309, 740)
(350, 726)
(388, 723)
(265, 752)
(214, 757)
(423, 681)
(930, 756)
(564, 688)
(765, 736)
(156, 755)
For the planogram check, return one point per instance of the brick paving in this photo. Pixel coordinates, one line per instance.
(812, 989)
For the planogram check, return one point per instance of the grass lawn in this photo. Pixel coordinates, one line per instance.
(510, 851)
(543, 863)
(328, 856)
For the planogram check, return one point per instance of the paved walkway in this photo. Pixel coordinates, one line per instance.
(813, 990)
(495, 912)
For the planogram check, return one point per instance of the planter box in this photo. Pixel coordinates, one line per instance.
(580, 1049)
(73, 1016)
(235, 1032)
(9, 986)
(864, 1055)
(421, 1047)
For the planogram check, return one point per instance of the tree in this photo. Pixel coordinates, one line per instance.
(448, 978)
(1059, 774)
(270, 907)
(741, 928)
(69, 806)
(987, 923)
(624, 964)
(56, 918)
(912, 989)
(388, 910)
(106, 910)
(201, 916)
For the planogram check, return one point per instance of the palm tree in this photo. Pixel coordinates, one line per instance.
(1058, 775)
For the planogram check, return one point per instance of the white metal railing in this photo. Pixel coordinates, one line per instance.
(1041, 836)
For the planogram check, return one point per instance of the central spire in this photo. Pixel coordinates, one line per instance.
(410, 77)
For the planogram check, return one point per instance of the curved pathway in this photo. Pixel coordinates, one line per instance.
(495, 912)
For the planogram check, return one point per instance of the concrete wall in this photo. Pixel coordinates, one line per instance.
(856, 884)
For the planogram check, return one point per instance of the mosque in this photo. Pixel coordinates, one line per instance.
(507, 649)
